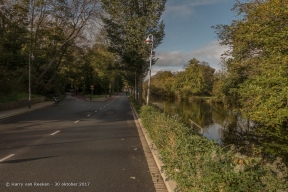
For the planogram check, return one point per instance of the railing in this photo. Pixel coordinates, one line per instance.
(202, 129)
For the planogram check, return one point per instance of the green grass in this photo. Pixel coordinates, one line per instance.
(198, 164)
(135, 105)
(6, 98)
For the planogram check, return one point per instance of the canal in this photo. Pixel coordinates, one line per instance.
(225, 126)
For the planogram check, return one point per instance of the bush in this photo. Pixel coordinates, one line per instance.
(199, 164)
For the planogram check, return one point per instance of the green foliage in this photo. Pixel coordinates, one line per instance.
(255, 80)
(13, 36)
(50, 30)
(196, 79)
(198, 164)
(161, 85)
(128, 23)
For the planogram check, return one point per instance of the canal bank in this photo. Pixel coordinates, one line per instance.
(196, 163)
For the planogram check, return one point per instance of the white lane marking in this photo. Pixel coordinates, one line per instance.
(55, 132)
(76, 121)
(88, 115)
(6, 157)
(77, 99)
(96, 111)
(100, 108)
(104, 106)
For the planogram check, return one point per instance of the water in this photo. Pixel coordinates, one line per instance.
(226, 127)
(211, 117)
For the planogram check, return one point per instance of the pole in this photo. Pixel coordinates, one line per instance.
(29, 99)
(31, 55)
(148, 91)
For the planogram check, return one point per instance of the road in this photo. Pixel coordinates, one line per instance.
(75, 146)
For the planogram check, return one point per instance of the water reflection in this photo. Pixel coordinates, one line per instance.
(212, 118)
(228, 128)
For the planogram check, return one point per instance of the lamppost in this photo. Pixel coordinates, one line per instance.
(31, 56)
(149, 41)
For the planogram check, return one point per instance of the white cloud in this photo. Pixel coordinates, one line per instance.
(175, 61)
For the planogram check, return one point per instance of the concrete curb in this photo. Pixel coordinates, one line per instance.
(170, 184)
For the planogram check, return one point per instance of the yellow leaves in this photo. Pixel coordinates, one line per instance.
(243, 161)
(238, 161)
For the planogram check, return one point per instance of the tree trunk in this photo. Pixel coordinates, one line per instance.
(140, 100)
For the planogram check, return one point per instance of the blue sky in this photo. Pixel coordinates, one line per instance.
(189, 33)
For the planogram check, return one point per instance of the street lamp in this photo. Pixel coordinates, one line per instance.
(149, 41)
(31, 56)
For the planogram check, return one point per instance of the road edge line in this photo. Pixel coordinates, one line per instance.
(7, 157)
(170, 184)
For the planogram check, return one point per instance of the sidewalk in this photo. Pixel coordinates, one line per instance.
(11, 112)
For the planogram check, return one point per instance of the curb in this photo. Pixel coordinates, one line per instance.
(170, 184)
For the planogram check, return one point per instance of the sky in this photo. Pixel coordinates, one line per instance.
(188, 33)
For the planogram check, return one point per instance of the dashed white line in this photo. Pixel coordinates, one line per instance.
(6, 157)
(76, 121)
(96, 111)
(88, 115)
(55, 132)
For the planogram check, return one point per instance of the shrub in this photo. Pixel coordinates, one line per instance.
(199, 164)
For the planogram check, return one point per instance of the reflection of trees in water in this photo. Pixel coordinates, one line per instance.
(220, 115)
(236, 130)
(199, 112)
(248, 136)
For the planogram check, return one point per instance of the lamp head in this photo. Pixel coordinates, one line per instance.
(149, 40)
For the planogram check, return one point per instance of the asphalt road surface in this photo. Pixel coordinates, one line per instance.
(75, 146)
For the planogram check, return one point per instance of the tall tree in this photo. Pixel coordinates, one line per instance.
(259, 66)
(56, 26)
(128, 23)
(196, 79)
(13, 38)
(256, 80)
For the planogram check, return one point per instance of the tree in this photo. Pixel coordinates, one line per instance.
(13, 37)
(256, 79)
(259, 61)
(196, 79)
(127, 24)
(56, 26)
(161, 84)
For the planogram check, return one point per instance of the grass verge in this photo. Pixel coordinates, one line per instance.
(6, 98)
(199, 164)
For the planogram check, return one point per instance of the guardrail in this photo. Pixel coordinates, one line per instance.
(202, 129)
